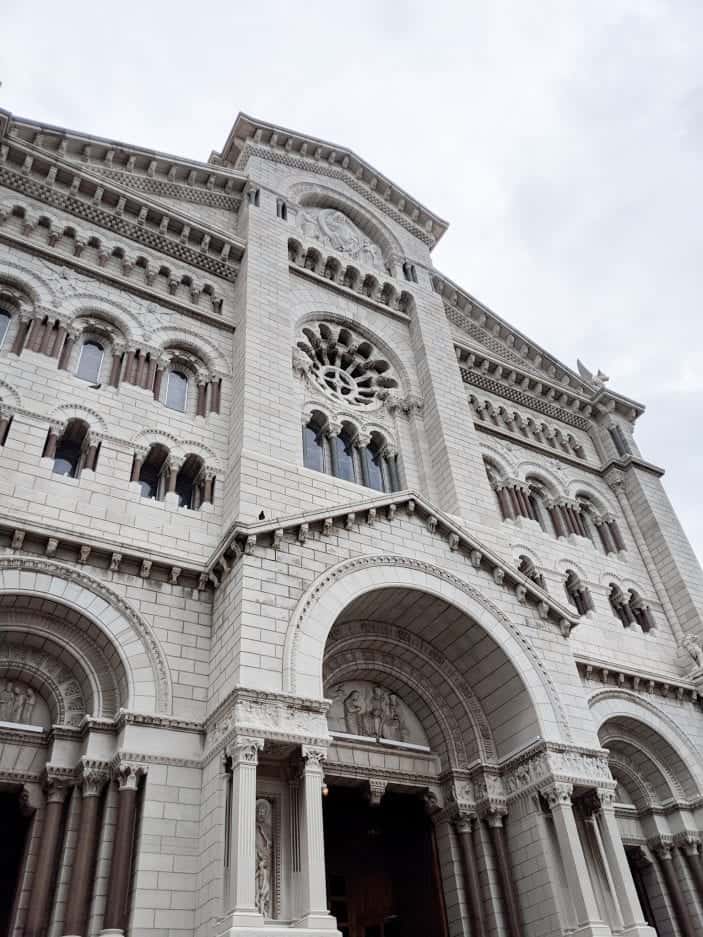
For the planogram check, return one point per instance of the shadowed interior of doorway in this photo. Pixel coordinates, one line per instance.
(382, 871)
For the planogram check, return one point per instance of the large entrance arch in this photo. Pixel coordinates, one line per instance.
(426, 704)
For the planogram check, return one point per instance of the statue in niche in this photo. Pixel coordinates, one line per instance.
(264, 856)
(354, 713)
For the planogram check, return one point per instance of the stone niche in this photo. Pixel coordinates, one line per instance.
(371, 711)
(20, 705)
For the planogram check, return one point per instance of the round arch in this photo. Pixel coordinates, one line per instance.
(622, 716)
(326, 600)
(114, 623)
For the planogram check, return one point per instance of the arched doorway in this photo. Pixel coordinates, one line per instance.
(655, 803)
(382, 871)
(15, 824)
(421, 696)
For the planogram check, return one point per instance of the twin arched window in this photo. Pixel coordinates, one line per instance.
(72, 450)
(345, 456)
(157, 477)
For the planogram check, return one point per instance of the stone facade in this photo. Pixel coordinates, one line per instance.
(461, 587)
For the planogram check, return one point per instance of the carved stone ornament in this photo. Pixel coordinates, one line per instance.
(244, 750)
(313, 757)
(335, 230)
(558, 795)
(264, 857)
(345, 366)
(17, 702)
(371, 711)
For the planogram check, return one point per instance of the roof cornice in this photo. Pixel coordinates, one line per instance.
(250, 132)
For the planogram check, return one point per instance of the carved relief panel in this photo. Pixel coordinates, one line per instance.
(20, 705)
(371, 711)
(265, 858)
(335, 230)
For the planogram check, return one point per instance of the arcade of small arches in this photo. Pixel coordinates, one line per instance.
(113, 259)
(95, 349)
(502, 416)
(534, 499)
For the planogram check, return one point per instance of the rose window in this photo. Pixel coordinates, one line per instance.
(344, 366)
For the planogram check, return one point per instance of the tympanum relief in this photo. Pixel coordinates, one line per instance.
(19, 705)
(369, 710)
(333, 229)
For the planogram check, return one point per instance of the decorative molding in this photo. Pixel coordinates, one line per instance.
(606, 674)
(156, 657)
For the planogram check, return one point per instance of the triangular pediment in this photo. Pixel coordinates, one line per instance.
(245, 538)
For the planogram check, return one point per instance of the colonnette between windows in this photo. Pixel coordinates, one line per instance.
(91, 350)
(343, 451)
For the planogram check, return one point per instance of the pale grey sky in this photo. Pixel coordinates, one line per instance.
(561, 140)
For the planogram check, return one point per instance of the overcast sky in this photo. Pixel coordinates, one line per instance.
(561, 140)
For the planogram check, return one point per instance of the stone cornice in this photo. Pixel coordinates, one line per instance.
(32, 543)
(106, 276)
(191, 180)
(250, 136)
(509, 381)
(243, 538)
(611, 675)
(74, 189)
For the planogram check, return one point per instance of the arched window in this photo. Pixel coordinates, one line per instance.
(619, 605)
(379, 467)
(90, 361)
(577, 593)
(152, 476)
(316, 448)
(528, 568)
(69, 448)
(343, 461)
(177, 391)
(641, 612)
(5, 318)
(187, 488)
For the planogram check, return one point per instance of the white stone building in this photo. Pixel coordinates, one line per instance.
(430, 667)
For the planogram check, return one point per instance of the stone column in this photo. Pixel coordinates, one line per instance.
(496, 830)
(464, 826)
(23, 327)
(604, 533)
(314, 890)
(91, 455)
(158, 378)
(625, 892)
(588, 920)
(208, 486)
(65, 356)
(115, 919)
(52, 439)
(557, 521)
(95, 775)
(201, 384)
(673, 889)
(244, 753)
(38, 911)
(116, 368)
(139, 456)
(215, 395)
(57, 344)
(689, 845)
(5, 417)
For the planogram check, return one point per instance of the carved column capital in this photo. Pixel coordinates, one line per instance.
(127, 774)
(689, 842)
(465, 820)
(313, 757)
(557, 794)
(377, 788)
(662, 846)
(92, 775)
(244, 750)
(57, 784)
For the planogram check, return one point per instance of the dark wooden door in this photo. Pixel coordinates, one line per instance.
(381, 876)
